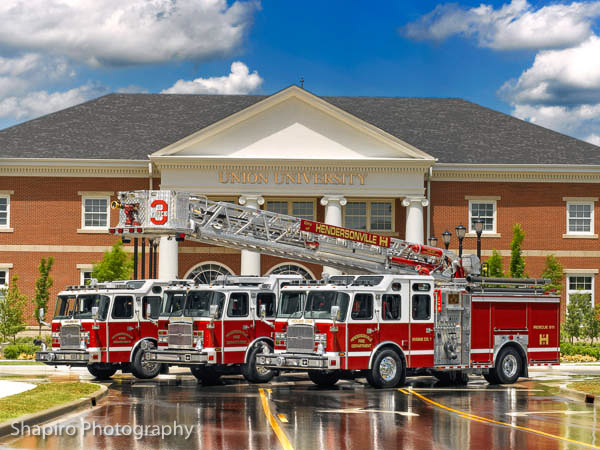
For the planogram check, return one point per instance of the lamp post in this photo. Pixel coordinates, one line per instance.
(446, 236)
(433, 241)
(460, 234)
(478, 225)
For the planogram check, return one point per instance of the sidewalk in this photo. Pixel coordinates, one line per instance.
(8, 388)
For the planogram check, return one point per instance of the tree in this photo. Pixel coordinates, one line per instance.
(553, 270)
(115, 265)
(591, 321)
(12, 303)
(575, 310)
(42, 290)
(517, 262)
(495, 265)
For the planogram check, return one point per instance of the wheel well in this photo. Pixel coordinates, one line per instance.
(388, 346)
(253, 344)
(138, 343)
(519, 349)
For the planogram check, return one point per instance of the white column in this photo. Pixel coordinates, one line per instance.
(333, 216)
(414, 218)
(168, 261)
(251, 260)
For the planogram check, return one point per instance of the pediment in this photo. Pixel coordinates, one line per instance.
(292, 124)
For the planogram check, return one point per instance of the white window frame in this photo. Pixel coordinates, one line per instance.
(6, 268)
(590, 273)
(94, 196)
(5, 227)
(483, 199)
(290, 204)
(368, 218)
(83, 269)
(580, 201)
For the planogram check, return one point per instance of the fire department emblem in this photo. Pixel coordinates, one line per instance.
(160, 212)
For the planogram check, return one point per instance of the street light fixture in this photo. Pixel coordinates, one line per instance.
(433, 241)
(478, 225)
(446, 236)
(460, 234)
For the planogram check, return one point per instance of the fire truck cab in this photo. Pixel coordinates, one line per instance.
(106, 327)
(384, 327)
(216, 329)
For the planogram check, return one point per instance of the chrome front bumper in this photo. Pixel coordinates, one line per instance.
(65, 357)
(298, 361)
(179, 357)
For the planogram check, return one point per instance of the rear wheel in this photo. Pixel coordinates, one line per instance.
(254, 373)
(142, 368)
(508, 366)
(388, 370)
(452, 377)
(490, 377)
(208, 376)
(324, 377)
(102, 371)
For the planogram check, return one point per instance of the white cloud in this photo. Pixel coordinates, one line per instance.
(516, 25)
(114, 32)
(593, 139)
(239, 81)
(39, 103)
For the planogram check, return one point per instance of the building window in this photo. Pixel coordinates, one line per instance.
(580, 217)
(304, 209)
(580, 284)
(95, 212)
(369, 215)
(291, 269)
(207, 273)
(4, 211)
(3, 278)
(484, 210)
(85, 277)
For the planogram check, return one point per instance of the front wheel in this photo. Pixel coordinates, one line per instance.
(324, 377)
(142, 368)
(102, 371)
(254, 373)
(388, 370)
(508, 366)
(208, 376)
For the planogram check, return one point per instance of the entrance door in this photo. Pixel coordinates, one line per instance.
(238, 328)
(421, 324)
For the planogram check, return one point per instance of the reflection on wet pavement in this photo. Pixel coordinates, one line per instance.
(350, 415)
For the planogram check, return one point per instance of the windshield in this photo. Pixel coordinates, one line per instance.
(198, 303)
(291, 304)
(172, 303)
(64, 307)
(86, 302)
(319, 303)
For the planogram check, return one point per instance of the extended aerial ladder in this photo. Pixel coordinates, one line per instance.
(181, 216)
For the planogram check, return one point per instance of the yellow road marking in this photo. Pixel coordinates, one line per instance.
(475, 418)
(282, 417)
(285, 443)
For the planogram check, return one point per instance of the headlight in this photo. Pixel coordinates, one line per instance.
(55, 334)
(280, 338)
(163, 339)
(85, 336)
(321, 337)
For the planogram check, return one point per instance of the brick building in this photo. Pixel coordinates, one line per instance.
(405, 167)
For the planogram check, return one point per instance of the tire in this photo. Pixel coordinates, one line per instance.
(208, 376)
(255, 374)
(491, 377)
(324, 377)
(508, 366)
(143, 369)
(452, 378)
(102, 371)
(388, 370)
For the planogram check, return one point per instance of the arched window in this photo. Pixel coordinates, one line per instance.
(207, 272)
(291, 269)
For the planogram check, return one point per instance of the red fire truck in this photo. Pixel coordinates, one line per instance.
(219, 328)
(387, 326)
(416, 309)
(106, 327)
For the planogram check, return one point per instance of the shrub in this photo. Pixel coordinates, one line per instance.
(20, 351)
(568, 349)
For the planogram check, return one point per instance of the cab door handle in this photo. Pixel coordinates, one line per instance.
(245, 327)
(428, 330)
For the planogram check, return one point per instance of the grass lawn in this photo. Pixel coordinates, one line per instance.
(591, 387)
(19, 362)
(42, 397)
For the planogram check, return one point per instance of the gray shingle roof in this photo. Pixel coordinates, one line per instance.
(132, 126)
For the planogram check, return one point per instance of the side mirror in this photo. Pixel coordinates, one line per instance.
(95, 312)
(263, 311)
(41, 314)
(214, 309)
(148, 311)
(335, 313)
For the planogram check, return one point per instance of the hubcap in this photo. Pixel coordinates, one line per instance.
(509, 366)
(388, 368)
(262, 370)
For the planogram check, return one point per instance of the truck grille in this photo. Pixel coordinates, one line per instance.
(69, 337)
(180, 335)
(301, 338)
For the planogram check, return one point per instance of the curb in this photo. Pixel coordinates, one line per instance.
(6, 428)
(580, 396)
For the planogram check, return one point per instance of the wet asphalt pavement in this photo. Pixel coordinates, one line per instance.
(294, 413)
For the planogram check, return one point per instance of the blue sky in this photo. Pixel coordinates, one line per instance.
(539, 61)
